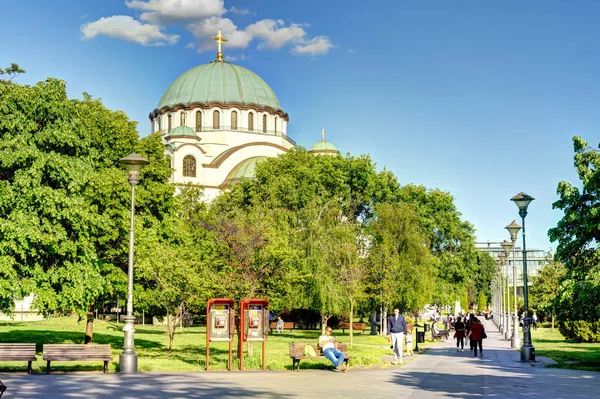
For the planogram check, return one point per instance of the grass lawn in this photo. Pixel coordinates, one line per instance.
(188, 348)
(569, 354)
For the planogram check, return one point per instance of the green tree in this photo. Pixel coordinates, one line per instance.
(11, 72)
(544, 287)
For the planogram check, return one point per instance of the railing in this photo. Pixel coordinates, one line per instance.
(246, 130)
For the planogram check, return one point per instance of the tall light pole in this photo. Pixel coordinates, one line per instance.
(515, 341)
(527, 350)
(506, 246)
(128, 361)
(502, 258)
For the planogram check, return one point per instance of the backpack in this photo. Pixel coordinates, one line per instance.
(309, 351)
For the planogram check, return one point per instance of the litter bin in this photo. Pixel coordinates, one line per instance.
(427, 327)
(420, 337)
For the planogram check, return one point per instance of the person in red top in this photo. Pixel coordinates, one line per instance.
(476, 335)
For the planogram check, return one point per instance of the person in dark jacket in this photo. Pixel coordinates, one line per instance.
(476, 335)
(459, 326)
(396, 330)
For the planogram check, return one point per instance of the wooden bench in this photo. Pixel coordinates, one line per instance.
(72, 352)
(287, 325)
(297, 354)
(18, 352)
(355, 326)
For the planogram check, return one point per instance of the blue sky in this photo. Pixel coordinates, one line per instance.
(480, 99)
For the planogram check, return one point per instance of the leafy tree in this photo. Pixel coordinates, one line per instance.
(64, 199)
(11, 72)
(544, 287)
(481, 301)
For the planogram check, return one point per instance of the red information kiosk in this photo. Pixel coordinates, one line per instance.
(254, 325)
(220, 325)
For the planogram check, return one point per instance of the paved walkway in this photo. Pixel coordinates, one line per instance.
(440, 372)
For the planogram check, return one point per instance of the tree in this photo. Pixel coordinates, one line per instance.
(64, 198)
(544, 287)
(578, 234)
(11, 72)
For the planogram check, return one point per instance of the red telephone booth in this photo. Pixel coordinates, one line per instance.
(220, 325)
(254, 319)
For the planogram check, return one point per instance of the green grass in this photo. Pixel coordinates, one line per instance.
(189, 348)
(568, 354)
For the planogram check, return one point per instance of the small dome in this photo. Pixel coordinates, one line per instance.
(182, 131)
(219, 81)
(324, 146)
(244, 170)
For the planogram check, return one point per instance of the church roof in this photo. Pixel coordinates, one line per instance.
(244, 170)
(222, 82)
(183, 131)
(324, 146)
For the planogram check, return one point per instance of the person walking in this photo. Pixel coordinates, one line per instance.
(459, 326)
(476, 332)
(396, 330)
(468, 325)
(535, 320)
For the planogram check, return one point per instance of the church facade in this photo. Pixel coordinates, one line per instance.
(218, 121)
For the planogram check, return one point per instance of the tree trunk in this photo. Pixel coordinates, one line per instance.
(238, 327)
(384, 321)
(324, 318)
(171, 326)
(89, 325)
(351, 324)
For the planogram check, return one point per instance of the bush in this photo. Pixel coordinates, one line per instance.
(580, 330)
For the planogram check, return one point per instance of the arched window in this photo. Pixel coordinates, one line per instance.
(250, 121)
(189, 166)
(182, 119)
(169, 123)
(275, 127)
(233, 120)
(264, 123)
(216, 119)
(198, 121)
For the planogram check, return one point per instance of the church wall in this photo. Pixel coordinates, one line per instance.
(177, 164)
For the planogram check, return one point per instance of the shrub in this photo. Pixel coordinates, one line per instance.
(580, 330)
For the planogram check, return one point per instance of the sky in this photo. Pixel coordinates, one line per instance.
(479, 99)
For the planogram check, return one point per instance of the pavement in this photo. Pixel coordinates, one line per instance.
(440, 372)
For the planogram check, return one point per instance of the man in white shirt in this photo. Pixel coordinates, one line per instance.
(329, 346)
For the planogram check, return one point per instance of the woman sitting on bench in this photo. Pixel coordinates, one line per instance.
(437, 332)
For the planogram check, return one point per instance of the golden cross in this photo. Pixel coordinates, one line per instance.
(219, 39)
(323, 135)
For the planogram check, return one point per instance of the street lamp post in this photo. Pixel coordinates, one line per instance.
(506, 246)
(515, 341)
(128, 360)
(527, 350)
(502, 258)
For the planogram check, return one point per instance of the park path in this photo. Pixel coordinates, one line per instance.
(441, 372)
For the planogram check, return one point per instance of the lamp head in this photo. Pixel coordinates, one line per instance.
(506, 246)
(513, 228)
(134, 164)
(522, 200)
(502, 258)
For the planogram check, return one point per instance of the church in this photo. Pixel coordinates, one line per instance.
(218, 121)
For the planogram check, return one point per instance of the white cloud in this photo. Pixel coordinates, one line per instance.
(205, 30)
(164, 12)
(316, 46)
(126, 28)
(234, 58)
(274, 34)
(241, 11)
(190, 45)
(350, 51)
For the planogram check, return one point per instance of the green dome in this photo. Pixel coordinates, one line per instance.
(245, 169)
(221, 82)
(183, 131)
(323, 146)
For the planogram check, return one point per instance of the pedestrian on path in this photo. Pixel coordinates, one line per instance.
(476, 332)
(459, 326)
(396, 329)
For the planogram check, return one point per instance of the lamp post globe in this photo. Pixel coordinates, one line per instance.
(506, 246)
(522, 200)
(515, 341)
(128, 360)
